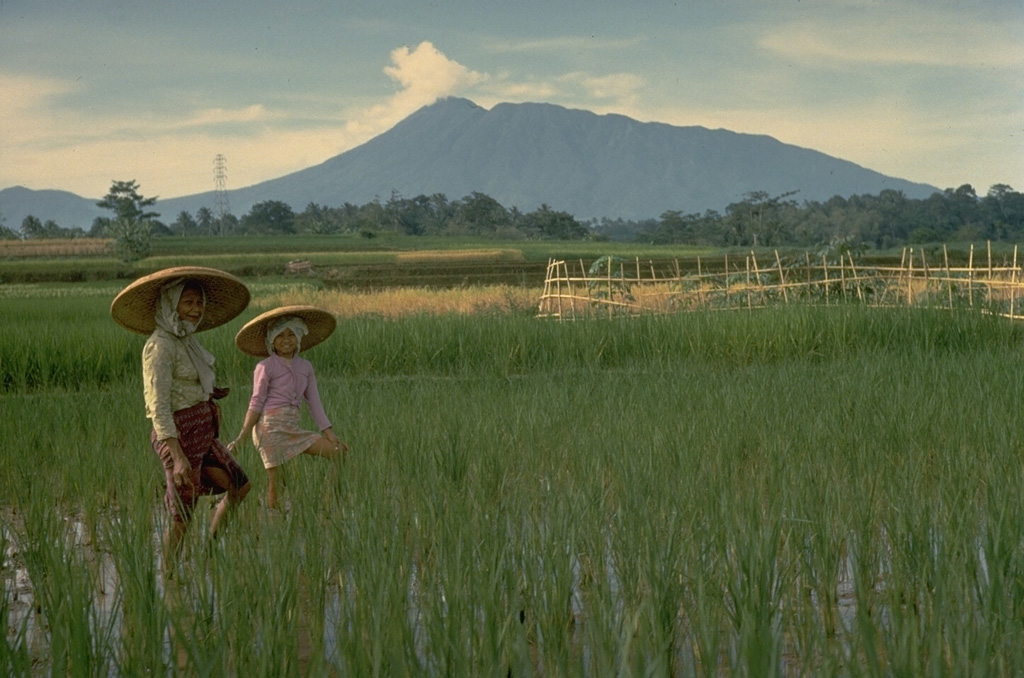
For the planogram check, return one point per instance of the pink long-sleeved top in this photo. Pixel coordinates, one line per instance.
(277, 383)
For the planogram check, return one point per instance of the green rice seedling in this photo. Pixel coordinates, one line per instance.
(744, 492)
(15, 658)
(995, 585)
(128, 531)
(756, 578)
(75, 635)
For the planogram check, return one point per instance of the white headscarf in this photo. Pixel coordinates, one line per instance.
(167, 319)
(288, 322)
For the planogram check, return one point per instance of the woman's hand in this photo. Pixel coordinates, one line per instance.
(234, 443)
(181, 470)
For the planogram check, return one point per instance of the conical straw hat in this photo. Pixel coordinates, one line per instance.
(135, 307)
(252, 338)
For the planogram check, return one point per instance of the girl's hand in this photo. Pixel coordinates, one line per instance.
(332, 438)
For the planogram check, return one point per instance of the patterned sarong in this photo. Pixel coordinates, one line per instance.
(197, 434)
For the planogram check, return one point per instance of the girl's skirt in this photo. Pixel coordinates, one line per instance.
(278, 437)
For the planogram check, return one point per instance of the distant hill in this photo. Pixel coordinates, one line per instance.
(63, 207)
(525, 155)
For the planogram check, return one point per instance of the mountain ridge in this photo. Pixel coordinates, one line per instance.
(526, 155)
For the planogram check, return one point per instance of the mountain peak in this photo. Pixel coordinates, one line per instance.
(525, 155)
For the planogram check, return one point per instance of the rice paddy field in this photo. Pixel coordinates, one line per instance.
(832, 491)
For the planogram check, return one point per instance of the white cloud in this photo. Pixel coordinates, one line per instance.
(621, 89)
(222, 116)
(425, 75)
(46, 145)
(931, 39)
(506, 90)
(24, 107)
(614, 92)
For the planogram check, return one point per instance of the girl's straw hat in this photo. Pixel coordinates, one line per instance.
(251, 339)
(134, 308)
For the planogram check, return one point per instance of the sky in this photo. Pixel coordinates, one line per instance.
(93, 91)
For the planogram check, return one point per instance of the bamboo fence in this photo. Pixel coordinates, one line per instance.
(615, 286)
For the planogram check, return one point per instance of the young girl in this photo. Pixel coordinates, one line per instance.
(280, 383)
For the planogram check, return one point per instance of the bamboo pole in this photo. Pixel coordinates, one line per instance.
(544, 294)
(782, 277)
(842, 277)
(910, 278)
(587, 283)
(856, 280)
(1013, 284)
(899, 277)
(558, 282)
(824, 269)
(700, 285)
(639, 299)
(749, 303)
(949, 278)
(988, 299)
(622, 275)
(927, 277)
(728, 301)
(757, 276)
(970, 276)
(609, 273)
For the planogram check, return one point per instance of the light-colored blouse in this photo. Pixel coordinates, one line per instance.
(277, 383)
(170, 381)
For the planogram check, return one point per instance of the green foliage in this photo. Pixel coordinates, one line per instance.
(887, 220)
(127, 203)
(821, 491)
(132, 240)
(270, 216)
(806, 490)
(131, 226)
(33, 229)
(614, 285)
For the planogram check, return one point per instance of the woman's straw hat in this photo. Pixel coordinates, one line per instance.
(252, 338)
(134, 308)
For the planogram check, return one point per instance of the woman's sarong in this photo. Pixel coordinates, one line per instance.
(197, 434)
(278, 437)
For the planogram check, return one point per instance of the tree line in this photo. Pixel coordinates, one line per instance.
(758, 220)
(871, 221)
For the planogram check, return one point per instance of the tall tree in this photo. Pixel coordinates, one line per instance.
(32, 228)
(205, 220)
(126, 202)
(270, 216)
(130, 228)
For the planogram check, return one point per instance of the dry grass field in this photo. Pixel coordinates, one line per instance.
(399, 302)
(56, 247)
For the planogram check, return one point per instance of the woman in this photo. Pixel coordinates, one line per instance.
(280, 383)
(171, 306)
